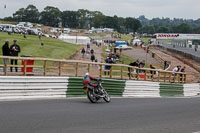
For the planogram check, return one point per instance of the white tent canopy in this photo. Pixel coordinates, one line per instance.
(75, 39)
(138, 41)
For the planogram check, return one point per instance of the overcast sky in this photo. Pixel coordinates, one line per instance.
(187, 9)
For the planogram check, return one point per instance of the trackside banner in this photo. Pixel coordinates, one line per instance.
(177, 36)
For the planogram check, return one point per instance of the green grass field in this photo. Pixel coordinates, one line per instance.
(52, 48)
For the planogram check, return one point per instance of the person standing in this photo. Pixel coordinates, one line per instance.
(6, 52)
(92, 58)
(14, 50)
(83, 52)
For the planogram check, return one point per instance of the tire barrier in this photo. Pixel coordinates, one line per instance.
(141, 89)
(113, 87)
(32, 87)
(21, 87)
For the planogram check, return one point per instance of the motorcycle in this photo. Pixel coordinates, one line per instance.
(94, 94)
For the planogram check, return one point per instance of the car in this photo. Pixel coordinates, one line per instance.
(124, 47)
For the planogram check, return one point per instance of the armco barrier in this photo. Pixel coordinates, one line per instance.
(23, 87)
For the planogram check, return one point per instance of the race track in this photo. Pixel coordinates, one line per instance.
(135, 115)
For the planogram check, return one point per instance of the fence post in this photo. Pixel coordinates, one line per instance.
(184, 78)
(170, 76)
(76, 74)
(24, 67)
(121, 72)
(100, 73)
(111, 72)
(45, 67)
(88, 67)
(165, 77)
(145, 78)
(159, 76)
(179, 78)
(130, 72)
(6, 67)
(138, 75)
(59, 69)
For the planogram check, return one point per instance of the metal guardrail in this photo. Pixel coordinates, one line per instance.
(77, 68)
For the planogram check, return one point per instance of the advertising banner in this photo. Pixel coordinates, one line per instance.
(177, 36)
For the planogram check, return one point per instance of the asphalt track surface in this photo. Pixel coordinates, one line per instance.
(134, 115)
(182, 49)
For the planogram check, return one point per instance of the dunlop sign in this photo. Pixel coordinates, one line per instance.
(178, 36)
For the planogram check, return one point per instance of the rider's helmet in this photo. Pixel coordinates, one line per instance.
(87, 74)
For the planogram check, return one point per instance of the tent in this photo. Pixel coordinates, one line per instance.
(75, 39)
(137, 41)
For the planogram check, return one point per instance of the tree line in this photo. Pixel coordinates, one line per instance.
(85, 19)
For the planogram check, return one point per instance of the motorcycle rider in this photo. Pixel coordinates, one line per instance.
(87, 81)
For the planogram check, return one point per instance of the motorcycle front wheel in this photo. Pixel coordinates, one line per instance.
(91, 97)
(106, 97)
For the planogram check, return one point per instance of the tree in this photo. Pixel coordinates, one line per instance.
(31, 14)
(19, 15)
(163, 29)
(51, 16)
(70, 19)
(84, 18)
(184, 28)
(132, 24)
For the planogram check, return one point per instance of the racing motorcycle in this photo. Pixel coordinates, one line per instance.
(95, 94)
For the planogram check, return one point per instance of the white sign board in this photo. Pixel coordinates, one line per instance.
(177, 36)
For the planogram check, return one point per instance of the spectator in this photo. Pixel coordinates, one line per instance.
(39, 35)
(25, 36)
(6, 52)
(14, 51)
(183, 69)
(181, 75)
(107, 68)
(92, 58)
(83, 52)
(142, 64)
(176, 69)
(135, 64)
(88, 46)
(120, 50)
(152, 72)
(92, 51)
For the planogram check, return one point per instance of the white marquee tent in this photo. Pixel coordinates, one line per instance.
(75, 39)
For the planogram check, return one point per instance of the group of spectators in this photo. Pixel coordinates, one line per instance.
(139, 64)
(179, 69)
(12, 50)
(88, 52)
